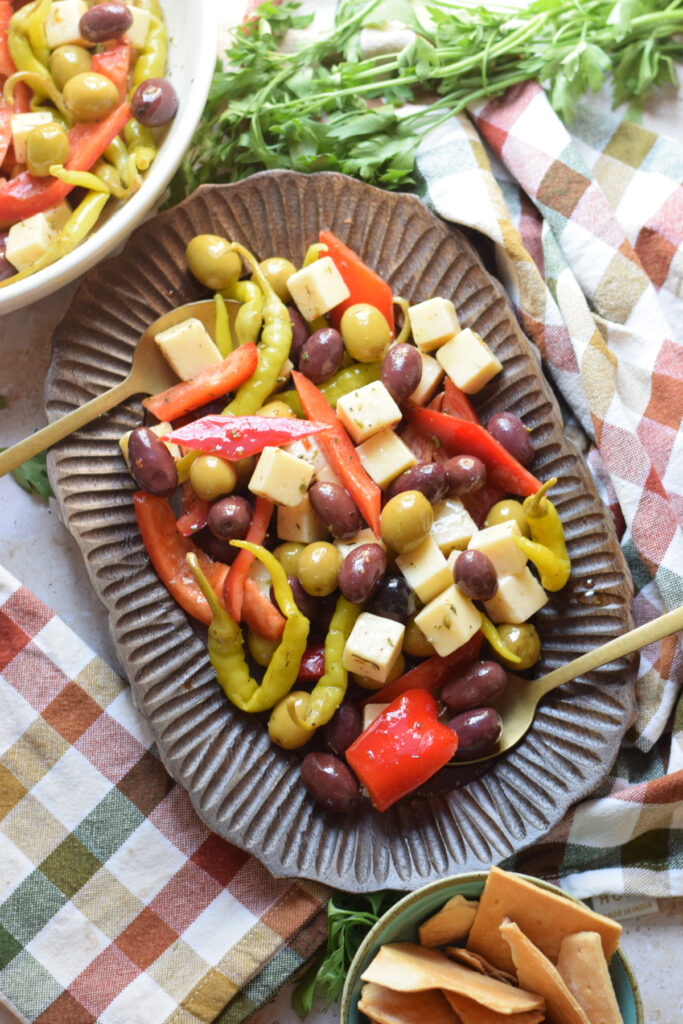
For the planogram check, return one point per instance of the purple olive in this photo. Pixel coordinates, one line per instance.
(478, 732)
(330, 782)
(430, 478)
(361, 571)
(321, 355)
(230, 517)
(509, 431)
(154, 102)
(344, 727)
(299, 333)
(481, 685)
(475, 575)
(105, 21)
(466, 474)
(401, 371)
(151, 464)
(334, 505)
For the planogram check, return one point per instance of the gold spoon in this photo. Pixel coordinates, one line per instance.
(149, 374)
(518, 702)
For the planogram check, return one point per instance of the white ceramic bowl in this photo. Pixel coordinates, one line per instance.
(191, 60)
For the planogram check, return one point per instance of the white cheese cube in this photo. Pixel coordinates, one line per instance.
(280, 477)
(138, 31)
(325, 474)
(373, 646)
(518, 597)
(261, 577)
(448, 621)
(58, 215)
(453, 527)
(307, 449)
(284, 375)
(22, 125)
(371, 712)
(300, 523)
(468, 361)
(188, 348)
(433, 322)
(496, 542)
(27, 240)
(365, 536)
(62, 23)
(425, 569)
(384, 457)
(317, 289)
(367, 410)
(429, 381)
(159, 429)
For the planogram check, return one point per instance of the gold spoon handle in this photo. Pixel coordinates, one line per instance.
(61, 428)
(658, 628)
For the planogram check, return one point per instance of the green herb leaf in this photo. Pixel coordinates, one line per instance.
(32, 476)
(3, 403)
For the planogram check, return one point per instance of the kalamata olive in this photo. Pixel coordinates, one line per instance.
(361, 571)
(219, 549)
(304, 602)
(430, 478)
(335, 506)
(344, 727)
(107, 20)
(299, 333)
(478, 687)
(230, 517)
(478, 732)
(330, 782)
(154, 102)
(510, 432)
(466, 474)
(151, 464)
(321, 355)
(475, 575)
(312, 664)
(401, 371)
(394, 599)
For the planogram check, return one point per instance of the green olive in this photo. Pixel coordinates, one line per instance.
(213, 262)
(504, 511)
(212, 477)
(406, 520)
(366, 333)
(244, 468)
(287, 726)
(372, 684)
(319, 566)
(522, 640)
(261, 650)
(288, 555)
(68, 61)
(415, 643)
(90, 97)
(276, 410)
(46, 144)
(277, 271)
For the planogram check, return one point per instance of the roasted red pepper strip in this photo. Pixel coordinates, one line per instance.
(456, 402)
(460, 437)
(6, 63)
(114, 64)
(212, 382)
(235, 437)
(167, 550)
(431, 674)
(195, 511)
(26, 195)
(403, 747)
(312, 664)
(363, 283)
(260, 614)
(340, 452)
(233, 591)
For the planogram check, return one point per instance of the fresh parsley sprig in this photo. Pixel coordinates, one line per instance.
(323, 108)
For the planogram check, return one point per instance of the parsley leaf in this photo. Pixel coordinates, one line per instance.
(32, 476)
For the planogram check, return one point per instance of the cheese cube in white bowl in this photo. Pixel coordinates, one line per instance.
(28, 240)
(62, 24)
(21, 126)
(139, 30)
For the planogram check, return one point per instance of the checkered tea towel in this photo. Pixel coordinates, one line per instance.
(117, 904)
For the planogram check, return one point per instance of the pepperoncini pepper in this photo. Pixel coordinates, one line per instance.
(547, 548)
(496, 641)
(329, 691)
(250, 314)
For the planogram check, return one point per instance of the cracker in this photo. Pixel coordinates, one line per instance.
(584, 969)
(450, 924)
(479, 964)
(543, 916)
(470, 1012)
(389, 1007)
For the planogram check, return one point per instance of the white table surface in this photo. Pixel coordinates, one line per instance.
(36, 548)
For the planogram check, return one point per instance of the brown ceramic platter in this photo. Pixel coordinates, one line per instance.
(244, 788)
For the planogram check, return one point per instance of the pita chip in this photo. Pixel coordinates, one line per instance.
(480, 964)
(470, 1012)
(535, 969)
(450, 924)
(388, 1007)
(583, 966)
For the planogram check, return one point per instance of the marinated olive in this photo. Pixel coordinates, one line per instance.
(154, 102)
(105, 21)
(312, 665)
(287, 726)
(361, 571)
(219, 549)
(504, 511)
(406, 520)
(394, 599)
(524, 641)
(306, 604)
(401, 371)
(213, 262)
(319, 566)
(429, 478)
(415, 642)
(261, 650)
(230, 517)
(466, 474)
(151, 464)
(335, 506)
(365, 331)
(344, 727)
(299, 333)
(367, 683)
(475, 575)
(330, 782)
(89, 96)
(68, 61)
(478, 687)
(276, 410)
(287, 555)
(212, 477)
(46, 144)
(244, 470)
(321, 355)
(510, 432)
(478, 733)
(277, 271)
